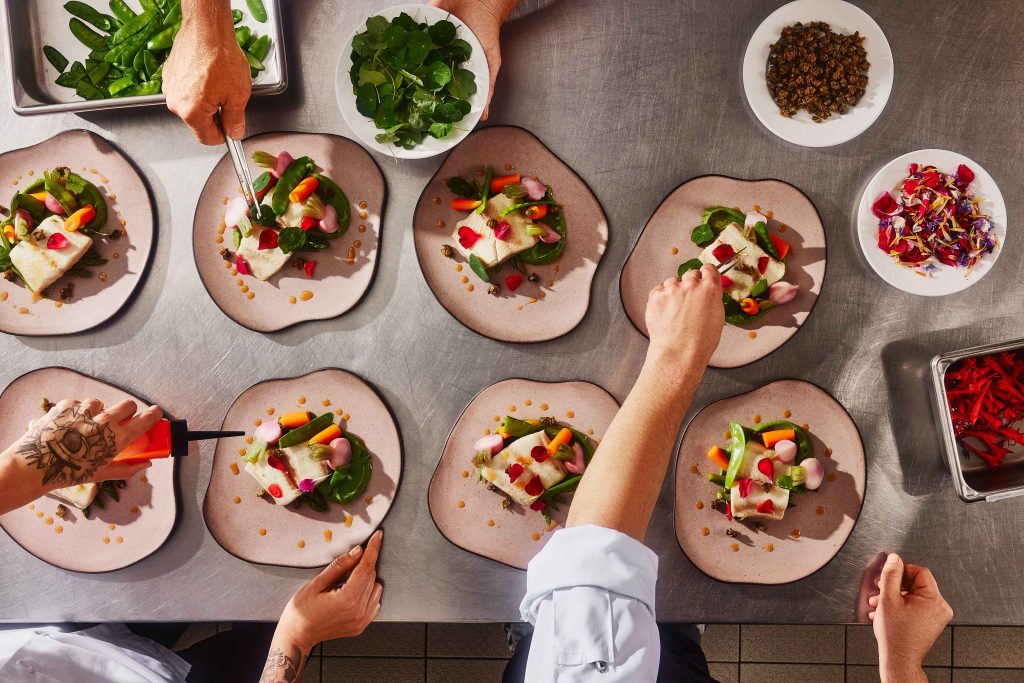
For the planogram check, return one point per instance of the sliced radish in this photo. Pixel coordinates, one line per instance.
(237, 209)
(25, 217)
(578, 463)
(550, 235)
(753, 218)
(491, 444)
(284, 160)
(269, 432)
(57, 241)
(535, 189)
(329, 223)
(815, 472)
(53, 205)
(341, 453)
(785, 451)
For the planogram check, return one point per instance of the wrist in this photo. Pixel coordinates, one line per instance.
(207, 21)
(293, 635)
(901, 670)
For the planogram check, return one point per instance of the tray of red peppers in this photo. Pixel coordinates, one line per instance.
(985, 395)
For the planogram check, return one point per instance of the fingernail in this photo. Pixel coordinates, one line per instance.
(355, 551)
(892, 559)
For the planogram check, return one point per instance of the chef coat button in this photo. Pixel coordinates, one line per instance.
(602, 667)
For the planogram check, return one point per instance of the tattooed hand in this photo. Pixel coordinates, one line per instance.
(74, 443)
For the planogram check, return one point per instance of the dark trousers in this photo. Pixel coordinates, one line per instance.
(682, 660)
(238, 655)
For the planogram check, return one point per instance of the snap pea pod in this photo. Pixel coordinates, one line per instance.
(143, 89)
(97, 73)
(86, 36)
(293, 175)
(87, 90)
(173, 15)
(88, 13)
(90, 194)
(150, 64)
(259, 48)
(306, 431)
(121, 10)
(164, 39)
(243, 35)
(236, 15)
(133, 26)
(36, 185)
(737, 449)
(120, 85)
(254, 64)
(764, 241)
(71, 77)
(258, 11)
(148, 5)
(349, 481)
(35, 208)
(63, 196)
(54, 56)
(525, 205)
(335, 196)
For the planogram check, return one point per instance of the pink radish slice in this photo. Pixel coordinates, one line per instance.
(578, 463)
(815, 472)
(535, 189)
(269, 432)
(341, 452)
(492, 443)
(53, 205)
(329, 223)
(237, 209)
(284, 160)
(785, 451)
(25, 217)
(550, 236)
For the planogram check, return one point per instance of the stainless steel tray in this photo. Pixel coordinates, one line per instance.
(973, 480)
(31, 24)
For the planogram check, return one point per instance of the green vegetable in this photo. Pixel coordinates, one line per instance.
(306, 431)
(517, 428)
(765, 242)
(133, 26)
(462, 188)
(317, 498)
(89, 194)
(121, 10)
(71, 77)
(737, 449)
(99, 72)
(717, 479)
(485, 190)
(65, 198)
(349, 481)
(291, 239)
(543, 253)
(54, 56)
(254, 64)
(477, 266)
(702, 234)
(692, 264)
(255, 451)
(293, 175)
(718, 217)
(86, 35)
(804, 446)
(243, 36)
(35, 208)
(759, 289)
(236, 238)
(164, 39)
(259, 47)
(798, 475)
(329, 191)
(524, 205)
(237, 15)
(103, 22)
(258, 11)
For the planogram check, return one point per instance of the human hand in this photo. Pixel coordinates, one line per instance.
(75, 442)
(685, 317)
(484, 18)
(909, 615)
(331, 606)
(206, 72)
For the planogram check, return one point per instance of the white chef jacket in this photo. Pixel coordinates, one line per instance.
(108, 653)
(590, 597)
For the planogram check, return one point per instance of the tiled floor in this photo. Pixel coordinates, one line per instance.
(476, 653)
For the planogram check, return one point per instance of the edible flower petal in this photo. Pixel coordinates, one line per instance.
(274, 490)
(762, 264)
(307, 485)
(268, 239)
(745, 484)
(276, 463)
(723, 252)
(467, 237)
(514, 471)
(538, 505)
(310, 265)
(885, 206)
(56, 241)
(765, 467)
(539, 453)
(501, 230)
(513, 281)
(535, 487)
(766, 507)
(241, 266)
(964, 174)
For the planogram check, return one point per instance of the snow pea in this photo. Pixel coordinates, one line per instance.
(335, 196)
(120, 84)
(737, 449)
(255, 65)
(35, 208)
(243, 36)
(236, 15)
(764, 241)
(87, 90)
(97, 73)
(518, 428)
(164, 39)
(258, 11)
(349, 481)
(54, 56)
(293, 175)
(133, 26)
(804, 447)
(121, 10)
(260, 47)
(86, 36)
(148, 5)
(63, 196)
(173, 15)
(90, 194)
(103, 22)
(306, 431)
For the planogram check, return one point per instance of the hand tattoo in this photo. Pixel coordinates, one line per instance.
(68, 447)
(281, 668)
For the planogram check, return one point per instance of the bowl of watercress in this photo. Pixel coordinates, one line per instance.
(412, 81)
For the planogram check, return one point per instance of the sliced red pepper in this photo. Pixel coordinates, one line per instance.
(308, 222)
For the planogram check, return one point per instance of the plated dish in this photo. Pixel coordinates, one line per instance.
(412, 81)
(312, 252)
(762, 518)
(76, 235)
(88, 527)
(317, 474)
(766, 239)
(506, 476)
(818, 73)
(506, 265)
(931, 222)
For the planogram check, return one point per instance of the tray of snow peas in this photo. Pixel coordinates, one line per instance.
(103, 54)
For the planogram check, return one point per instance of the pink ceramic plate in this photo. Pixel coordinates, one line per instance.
(116, 536)
(480, 524)
(343, 272)
(813, 531)
(96, 299)
(535, 312)
(665, 243)
(253, 528)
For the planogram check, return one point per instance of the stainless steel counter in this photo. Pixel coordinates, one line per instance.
(636, 96)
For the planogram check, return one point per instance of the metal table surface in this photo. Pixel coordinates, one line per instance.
(637, 97)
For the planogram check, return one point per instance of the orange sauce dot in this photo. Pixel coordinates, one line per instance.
(135, 508)
(699, 505)
(464, 473)
(31, 506)
(306, 295)
(820, 510)
(241, 451)
(236, 500)
(461, 504)
(805, 426)
(363, 204)
(675, 250)
(219, 240)
(757, 207)
(487, 431)
(58, 529)
(512, 409)
(535, 536)
(469, 288)
(292, 300)
(369, 500)
(111, 526)
(463, 279)
(694, 470)
(458, 267)
(770, 548)
(787, 413)
(497, 418)
(325, 402)
(302, 400)
(328, 535)
(728, 435)
(570, 414)
(119, 539)
(752, 334)
(527, 402)
(244, 289)
(363, 215)
(543, 406)
(49, 520)
(590, 431)
(441, 224)
(248, 439)
(361, 228)
(300, 544)
(436, 200)
(795, 533)
(345, 416)
(735, 547)
(705, 531)
(270, 411)
(348, 519)
(757, 419)
(234, 468)
(262, 532)
(338, 411)
(257, 422)
(490, 522)
(769, 214)
(106, 539)
(250, 295)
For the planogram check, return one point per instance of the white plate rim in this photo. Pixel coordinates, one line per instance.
(363, 127)
(838, 128)
(946, 281)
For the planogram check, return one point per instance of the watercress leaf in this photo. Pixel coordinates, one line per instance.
(424, 100)
(395, 37)
(443, 32)
(437, 75)
(702, 234)
(361, 45)
(459, 50)
(375, 28)
(291, 239)
(463, 84)
(692, 264)
(461, 187)
(366, 100)
(441, 130)
(448, 112)
(417, 48)
(406, 22)
(477, 267)
(266, 217)
(386, 117)
(371, 76)
(390, 134)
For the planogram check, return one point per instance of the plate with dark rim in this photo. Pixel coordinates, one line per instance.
(665, 243)
(557, 302)
(344, 271)
(113, 537)
(93, 300)
(482, 524)
(253, 528)
(813, 530)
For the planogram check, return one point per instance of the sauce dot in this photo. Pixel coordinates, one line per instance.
(361, 228)
(497, 418)
(119, 539)
(543, 406)
(345, 416)
(363, 204)
(248, 439)
(134, 509)
(106, 539)
(49, 520)
(262, 532)
(757, 419)
(326, 402)
(302, 400)
(590, 431)
(437, 201)
(509, 166)
(270, 411)
(464, 279)
(490, 522)
(369, 500)
(757, 207)
(236, 500)
(727, 434)
(111, 526)
(458, 267)
(234, 468)
(820, 510)
(570, 414)
(241, 451)
(828, 452)
(699, 505)
(219, 240)
(469, 288)
(292, 300)
(31, 506)
(348, 519)
(831, 476)
(441, 224)
(535, 536)
(527, 402)
(770, 548)
(735, 547)
(257, 422)
(694, 470)
(250, 295)
(805, 426)
(328, 535)
(39, 514)
(464, 474)
(461, 504)
(752, 334)
(795, 533)
(58, 529)
(675, 250)
(769, 214)
(511, 409)
(787, 413)
(338, 411)
(300, 544)
(705, 531)
(306, 295)
(363, 215)
(245, 289)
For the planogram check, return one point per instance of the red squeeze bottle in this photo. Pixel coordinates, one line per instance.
(169, 438)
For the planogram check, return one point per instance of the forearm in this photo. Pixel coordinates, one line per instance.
(286, 659)
(901, 671)
(621, 485)
(21, 483)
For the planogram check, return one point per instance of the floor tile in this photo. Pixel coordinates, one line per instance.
(721, 642)
(464, 670)
(787, 673)
(861, 647)
(869, 674)
(311, 674)
(987, 675)
(724, 672)
(373, 670)
(194, 633)
(763, 643)
(382, 639)
(988, 646)
(470, 641)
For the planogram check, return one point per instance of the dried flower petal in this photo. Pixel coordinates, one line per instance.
(467, 237)
(57, 241)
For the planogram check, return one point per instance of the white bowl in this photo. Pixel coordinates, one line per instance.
(945, 279)
(364, 128)
(800, 129)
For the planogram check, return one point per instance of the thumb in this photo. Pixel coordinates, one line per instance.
(232, 115)
(336, 570)
(891, 581)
